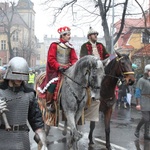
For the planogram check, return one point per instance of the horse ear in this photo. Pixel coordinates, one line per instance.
(105, 61)
(118, 54)
(130, 55)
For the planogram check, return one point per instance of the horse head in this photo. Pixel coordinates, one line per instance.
(125, 68)
(96, 73)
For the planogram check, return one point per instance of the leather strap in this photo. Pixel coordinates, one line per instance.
(16, 127)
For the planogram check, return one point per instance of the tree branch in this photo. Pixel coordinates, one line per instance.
(122, 22)
(145, 22)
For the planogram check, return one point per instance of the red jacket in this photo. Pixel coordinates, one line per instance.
(52, 64)
(86, 49)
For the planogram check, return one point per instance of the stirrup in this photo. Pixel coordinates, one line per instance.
(51, 108)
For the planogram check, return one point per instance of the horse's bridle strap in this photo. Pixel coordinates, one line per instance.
(128, 73)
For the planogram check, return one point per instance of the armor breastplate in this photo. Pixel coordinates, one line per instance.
(63, 53)
(18, 105)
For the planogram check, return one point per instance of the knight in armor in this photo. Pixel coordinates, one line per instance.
(142, 95)
(18, 105)
(61, 55)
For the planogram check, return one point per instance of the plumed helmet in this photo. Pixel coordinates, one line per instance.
(147, 67)
(92, 31)
(63, 30)
(17, 69)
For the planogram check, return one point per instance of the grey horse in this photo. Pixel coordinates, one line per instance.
(86, 73)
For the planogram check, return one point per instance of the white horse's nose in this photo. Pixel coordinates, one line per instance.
(93, 95)
(93, 98)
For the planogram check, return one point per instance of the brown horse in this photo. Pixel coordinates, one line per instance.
(119, 68)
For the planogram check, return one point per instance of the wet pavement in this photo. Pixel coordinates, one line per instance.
(123, 124)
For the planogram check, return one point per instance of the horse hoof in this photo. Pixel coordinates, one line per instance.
(109, 148)
(91, 144)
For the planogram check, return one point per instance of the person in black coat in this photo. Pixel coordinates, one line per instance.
(123, 90)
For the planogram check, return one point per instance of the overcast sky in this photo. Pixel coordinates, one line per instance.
(43, 19)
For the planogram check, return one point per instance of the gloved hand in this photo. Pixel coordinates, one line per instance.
(40, 135)
(62, 69)
(3, 105)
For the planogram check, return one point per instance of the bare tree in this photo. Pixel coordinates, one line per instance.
(100, 9)
(144, 16)
(6, 18)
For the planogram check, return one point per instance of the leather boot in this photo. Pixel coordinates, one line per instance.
(50, 102)
(137, 131)
(47, 129)
(147, 131)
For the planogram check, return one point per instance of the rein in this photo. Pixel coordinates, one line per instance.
(84, 87)
(124, 73)
(73, 93)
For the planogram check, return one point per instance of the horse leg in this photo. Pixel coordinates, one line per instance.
(65, 128)
(92, 127)
(77, 117)
(74, 133)
(47, 129)
(107, 117)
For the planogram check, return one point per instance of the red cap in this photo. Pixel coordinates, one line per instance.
(63, 30)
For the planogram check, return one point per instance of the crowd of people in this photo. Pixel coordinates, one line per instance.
(21, 103)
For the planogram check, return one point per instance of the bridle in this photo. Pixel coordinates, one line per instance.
(122, 72)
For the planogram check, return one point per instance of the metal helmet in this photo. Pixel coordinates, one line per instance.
(147, 67)
(17, 69)
(92, 31)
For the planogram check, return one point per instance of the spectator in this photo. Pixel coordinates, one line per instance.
(142, 95)
(31, 79)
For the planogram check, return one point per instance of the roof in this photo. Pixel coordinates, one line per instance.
(25, 4)
(129, 23)
(145, 51)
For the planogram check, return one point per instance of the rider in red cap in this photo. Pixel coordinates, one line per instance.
(61, 55)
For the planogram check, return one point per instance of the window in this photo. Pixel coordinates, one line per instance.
(3, 44)
(15, 36)
(145, 38)
(15, 51)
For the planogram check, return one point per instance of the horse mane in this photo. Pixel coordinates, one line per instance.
(84, 63)
(108, 68)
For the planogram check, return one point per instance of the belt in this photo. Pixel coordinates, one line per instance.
(16, 127)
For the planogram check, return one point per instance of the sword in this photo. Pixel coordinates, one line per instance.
(7, 126)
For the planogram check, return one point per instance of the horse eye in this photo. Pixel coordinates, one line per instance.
(122, 63)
